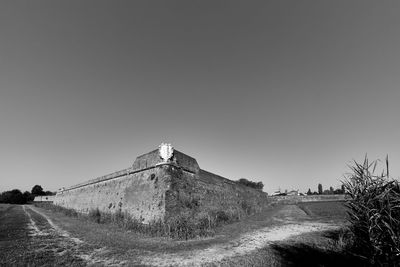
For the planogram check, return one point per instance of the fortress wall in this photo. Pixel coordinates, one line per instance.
(153, 189)
(216, 192)
(141, 194)
(209, 192)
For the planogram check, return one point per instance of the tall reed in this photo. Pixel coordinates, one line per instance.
(374, 212)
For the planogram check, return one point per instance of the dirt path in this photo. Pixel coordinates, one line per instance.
(243, 245)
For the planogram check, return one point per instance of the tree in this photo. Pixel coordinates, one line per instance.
(327, 192)
(12, 197)
(37, 190)
(28, 196)
(331, 190)
(309, 192)
(320, 191)
(260, 185)
(248, 183)
(338, 191)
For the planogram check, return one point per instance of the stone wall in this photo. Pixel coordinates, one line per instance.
(216, 192)
(206, 192)
(155, 189)
(141, 194)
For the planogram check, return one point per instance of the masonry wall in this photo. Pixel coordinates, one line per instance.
(205, 192)
(141, 194)
(216, 192)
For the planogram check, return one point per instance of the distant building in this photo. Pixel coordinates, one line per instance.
(277, 193)
(293, 193)
(286, 193)
(44, 199)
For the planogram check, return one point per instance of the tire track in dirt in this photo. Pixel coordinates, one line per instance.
(55, 228)
(58, 241)
(32, 227)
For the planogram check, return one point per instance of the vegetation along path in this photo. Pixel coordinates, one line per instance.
(38, 236)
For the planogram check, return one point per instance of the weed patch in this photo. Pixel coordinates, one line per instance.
(185, 226)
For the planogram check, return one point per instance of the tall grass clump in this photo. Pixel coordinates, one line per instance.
(183, 226)
(374, 213)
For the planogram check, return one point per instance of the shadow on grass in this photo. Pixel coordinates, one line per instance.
(306, 255)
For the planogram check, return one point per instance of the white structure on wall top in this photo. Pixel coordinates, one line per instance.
(166, 152)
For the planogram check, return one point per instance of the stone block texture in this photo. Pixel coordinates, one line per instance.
(153, 190)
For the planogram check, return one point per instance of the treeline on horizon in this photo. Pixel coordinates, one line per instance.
(329, 191)
(15, 196)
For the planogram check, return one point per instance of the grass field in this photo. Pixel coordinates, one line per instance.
(278, 236)
(333, 210)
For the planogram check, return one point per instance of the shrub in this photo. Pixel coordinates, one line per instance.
(95, 215)
(37, 190)
(222, 217)
(374, 212)
(182, 226)
(71, 212)
(247, 208)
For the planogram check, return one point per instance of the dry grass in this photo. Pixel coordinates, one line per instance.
(17, 248)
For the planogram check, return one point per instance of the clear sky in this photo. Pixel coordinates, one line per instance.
(283, 92)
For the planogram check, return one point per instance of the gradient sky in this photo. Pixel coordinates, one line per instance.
(283, 92)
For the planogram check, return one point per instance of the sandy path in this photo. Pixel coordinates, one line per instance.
(241, 246)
